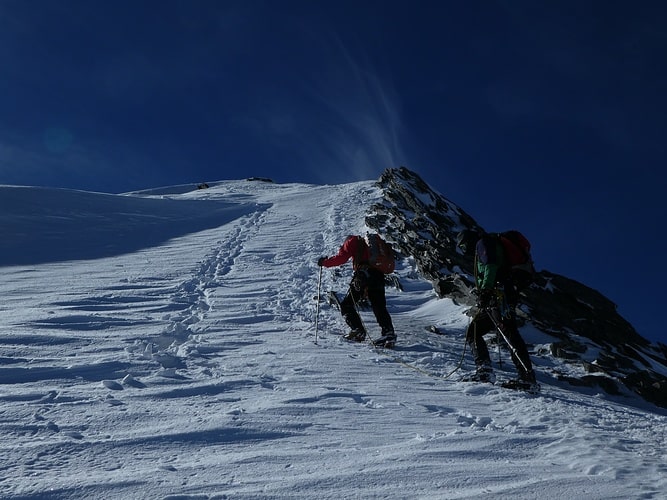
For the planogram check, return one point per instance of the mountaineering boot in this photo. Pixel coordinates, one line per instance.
(355, 336)
(528, 377)
(520, 385)
(484, 373)
(387, 340)
(526, 382)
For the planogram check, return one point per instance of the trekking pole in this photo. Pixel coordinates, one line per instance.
(500, 359)
(509, 344)
(465, 343)
(317, 311)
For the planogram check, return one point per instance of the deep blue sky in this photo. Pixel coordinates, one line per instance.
(549, 117)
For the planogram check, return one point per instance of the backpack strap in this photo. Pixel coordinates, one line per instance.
(359, 260)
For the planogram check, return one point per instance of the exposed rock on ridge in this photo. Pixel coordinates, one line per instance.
(586, 328)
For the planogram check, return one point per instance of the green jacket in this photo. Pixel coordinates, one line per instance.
(489, 263)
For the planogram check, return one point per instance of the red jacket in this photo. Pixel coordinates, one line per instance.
(349, 250)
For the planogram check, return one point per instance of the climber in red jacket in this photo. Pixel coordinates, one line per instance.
(366, 282)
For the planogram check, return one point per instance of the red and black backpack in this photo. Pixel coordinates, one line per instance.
(380, 253)
(519, 259)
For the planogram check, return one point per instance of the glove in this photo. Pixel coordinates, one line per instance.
(485, 297)
(321, 260)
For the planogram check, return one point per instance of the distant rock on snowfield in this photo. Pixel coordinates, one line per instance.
(587, 330)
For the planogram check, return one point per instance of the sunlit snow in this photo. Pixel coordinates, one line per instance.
(162, 345)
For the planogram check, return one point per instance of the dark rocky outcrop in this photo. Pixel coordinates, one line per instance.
(586, 328)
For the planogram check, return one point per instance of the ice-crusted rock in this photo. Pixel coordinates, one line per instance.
(585, 325)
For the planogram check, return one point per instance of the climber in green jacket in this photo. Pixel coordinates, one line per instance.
(497, 300)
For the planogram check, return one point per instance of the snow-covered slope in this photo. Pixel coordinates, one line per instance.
(162, 345)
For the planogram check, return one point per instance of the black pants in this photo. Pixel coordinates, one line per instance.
(482, 324)
(368, 283)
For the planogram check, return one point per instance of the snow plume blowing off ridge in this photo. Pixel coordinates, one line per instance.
(184, 364)
(370, 127)
(359, 126)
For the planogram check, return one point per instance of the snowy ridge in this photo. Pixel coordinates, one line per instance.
(579, 331)
(182, 364)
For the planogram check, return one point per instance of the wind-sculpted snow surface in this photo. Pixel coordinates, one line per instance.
(185, 367)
